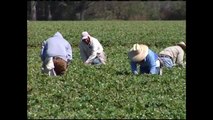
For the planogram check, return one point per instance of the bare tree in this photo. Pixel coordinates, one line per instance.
(33, 10)
(84, 5)
(49, 12)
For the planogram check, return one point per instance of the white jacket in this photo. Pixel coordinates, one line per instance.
(89, 52)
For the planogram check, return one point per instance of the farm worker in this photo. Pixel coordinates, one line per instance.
(91, 50)
(173, 55)
(148, 61)
(56, 54)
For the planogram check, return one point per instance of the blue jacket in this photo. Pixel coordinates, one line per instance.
(148, 65)
(56, 46)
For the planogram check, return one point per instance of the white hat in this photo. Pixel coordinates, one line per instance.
(182, 44)
(85, 35)
(138, 52)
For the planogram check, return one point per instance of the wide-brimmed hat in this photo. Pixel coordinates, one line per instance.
(85, 35)
(138, 52)
(182, 44)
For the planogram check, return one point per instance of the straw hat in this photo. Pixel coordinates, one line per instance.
(182, 44)
(138, 52)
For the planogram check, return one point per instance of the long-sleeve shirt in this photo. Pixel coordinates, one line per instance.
(149, 63)
(90, 51)
(175, 52)
(56, 46)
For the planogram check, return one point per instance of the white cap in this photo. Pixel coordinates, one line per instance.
(85, 35)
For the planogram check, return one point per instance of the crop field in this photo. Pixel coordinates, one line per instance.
(107, 91)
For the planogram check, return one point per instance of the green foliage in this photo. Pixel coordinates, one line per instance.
(107, 10)
(106, 91)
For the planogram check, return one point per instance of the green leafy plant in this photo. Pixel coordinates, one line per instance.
(107, 91)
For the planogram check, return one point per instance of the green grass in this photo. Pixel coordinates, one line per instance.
(107, 91)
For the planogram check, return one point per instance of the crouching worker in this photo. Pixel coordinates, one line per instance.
(56, 55)
(144, 57)
(91, 50)
(173, 55)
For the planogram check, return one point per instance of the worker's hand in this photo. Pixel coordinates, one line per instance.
(87, 63)
(135, 73)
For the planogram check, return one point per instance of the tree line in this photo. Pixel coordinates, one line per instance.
(106, 10)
